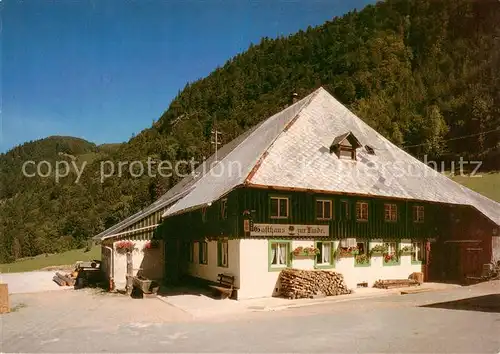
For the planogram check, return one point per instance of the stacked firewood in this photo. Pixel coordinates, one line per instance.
(295, 283)
(68, 279)
(87, 272)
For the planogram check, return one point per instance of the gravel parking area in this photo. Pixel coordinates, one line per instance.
(31, 282)
(50, 317)
(457, 320)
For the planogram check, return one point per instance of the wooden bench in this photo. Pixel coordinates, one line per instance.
(395, 283)
(225, 285)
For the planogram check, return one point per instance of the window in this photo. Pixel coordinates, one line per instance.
(362, 258)
(362, 211)
(223, 208)
(391, 257)
(344, 209)
(418, 213)
(324, 257)
(323, 209)
(362, 247)
(392, 248)
(279, 207)
(345, 146)
(222, 253)
(390, 212)
(347, 152)
(203, 252)
(417, 253)
(279, 254)
(190, 246)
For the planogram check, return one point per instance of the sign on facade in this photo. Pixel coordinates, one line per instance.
(289, 230)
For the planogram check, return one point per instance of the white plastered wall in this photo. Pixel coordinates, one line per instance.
(257, 280)
(149, 263)
(210, 270)
(377, 270)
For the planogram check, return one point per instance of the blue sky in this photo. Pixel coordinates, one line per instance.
(103, 70)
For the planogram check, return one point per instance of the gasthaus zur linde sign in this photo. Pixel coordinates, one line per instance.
(289, 230)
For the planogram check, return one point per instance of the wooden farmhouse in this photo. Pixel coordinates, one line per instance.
(312, 187)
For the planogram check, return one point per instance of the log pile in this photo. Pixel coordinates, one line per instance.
(296, 284)
(395, 283)
(85, 272)
(68, 279)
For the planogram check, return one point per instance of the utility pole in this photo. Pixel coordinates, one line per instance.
(215, 141)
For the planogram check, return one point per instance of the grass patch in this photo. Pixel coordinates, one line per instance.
(488, 184)
(42, 261)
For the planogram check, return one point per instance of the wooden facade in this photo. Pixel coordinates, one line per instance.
(464, 245)
(444, 228)
(208, 222)
(141, 234)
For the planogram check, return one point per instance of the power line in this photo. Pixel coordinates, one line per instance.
(457, 138)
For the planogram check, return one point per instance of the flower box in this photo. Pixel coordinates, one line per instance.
(390, 259)
(305, 251)
(124, 246)
(406, 250)
(379, 249)
(348, 251)
(362, 259)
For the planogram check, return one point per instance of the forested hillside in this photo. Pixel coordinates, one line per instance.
(425, 73)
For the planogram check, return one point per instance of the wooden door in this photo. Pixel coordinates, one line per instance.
(172, 252)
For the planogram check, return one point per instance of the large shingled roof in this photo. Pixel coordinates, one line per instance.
(290, 150)
(189, 183)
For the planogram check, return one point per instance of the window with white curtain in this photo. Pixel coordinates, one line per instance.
(362, 246)
(279, 254)
(392, 248)
(324, 257)
(203, 252)
(417, 254)
(222, 253)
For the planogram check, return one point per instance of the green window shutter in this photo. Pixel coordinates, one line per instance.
(319, 256)
(289, 254)
(200, 253)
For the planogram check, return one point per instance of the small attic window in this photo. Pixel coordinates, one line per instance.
(369, 150)
(347, 153)
(345, 145)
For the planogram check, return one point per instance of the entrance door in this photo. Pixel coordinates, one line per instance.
(452, 267)
(433, 267)
(472, 265)
(172, 252)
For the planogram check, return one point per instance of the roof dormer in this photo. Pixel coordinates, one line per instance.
(345, 145)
